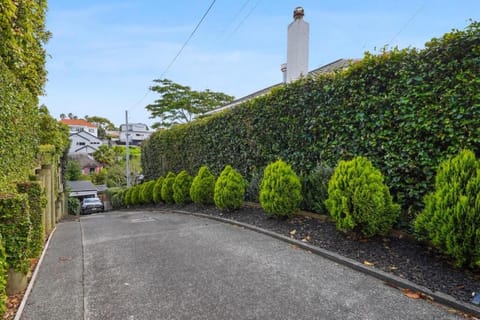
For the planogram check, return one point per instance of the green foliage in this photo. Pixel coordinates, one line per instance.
(116, 196)
(167, 188)
(15, 227)
(128, 197)
(3, 277)
(203, 186)
(406, 110)
(252, 190)
(53, 132)
(315, 189)
(181, 188)
(19, 139)
(359, 200)
(147, 191)
(73, 205)
(73, 171)
(281, 190)
(157, 190)
(179, 104)
(451, 218)
(37, 202)
(105, 154)
(229, 189)
(136, 196)
(23, 34)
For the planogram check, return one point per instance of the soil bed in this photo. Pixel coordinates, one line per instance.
(397, 255)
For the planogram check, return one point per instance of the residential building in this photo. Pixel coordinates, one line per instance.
(88, 164)
(137, 133)
(83, 142)
(79, 125)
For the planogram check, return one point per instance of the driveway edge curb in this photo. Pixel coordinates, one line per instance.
(390, 279)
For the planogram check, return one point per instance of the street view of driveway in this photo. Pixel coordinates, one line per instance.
(147, 265)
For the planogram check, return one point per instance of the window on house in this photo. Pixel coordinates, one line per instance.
(80, 143)
(91, 130)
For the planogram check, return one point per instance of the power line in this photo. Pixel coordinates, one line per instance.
(244, 19)
(406, 23)
(179, 52)
(236, 15)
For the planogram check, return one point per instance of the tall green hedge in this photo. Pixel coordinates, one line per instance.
(3, 277)
(15, 227)
(406, 110)
(37, 202)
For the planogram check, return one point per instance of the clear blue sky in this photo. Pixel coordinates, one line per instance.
(105, 53)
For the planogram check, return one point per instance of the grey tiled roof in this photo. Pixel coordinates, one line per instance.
(76, 186)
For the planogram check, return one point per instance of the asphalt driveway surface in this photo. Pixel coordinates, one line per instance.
(147, 265)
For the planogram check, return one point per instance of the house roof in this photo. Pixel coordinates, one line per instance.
(78, 122)
(81, 186)
(84, 160)
(86, 135)
(328, 68)
(93, 149)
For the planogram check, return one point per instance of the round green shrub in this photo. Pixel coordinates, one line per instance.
(136, 200)
(3, 277)
(167, 188)
(280, 190)
(359, 201)
(181, 188)
(451, 218)
(229, 189)
(15, 227)
(142, 193)
(315, 189)
(203, 186)
(157, 190)
(148, 192)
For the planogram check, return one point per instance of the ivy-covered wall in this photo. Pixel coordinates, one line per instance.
(405, 110)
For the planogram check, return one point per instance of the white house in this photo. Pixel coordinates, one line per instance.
(83, 142)
(137, 133)
(79, 125)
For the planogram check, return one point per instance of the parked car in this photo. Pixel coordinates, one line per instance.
(90, 205)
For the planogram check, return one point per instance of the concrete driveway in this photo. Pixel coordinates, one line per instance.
(147, 265)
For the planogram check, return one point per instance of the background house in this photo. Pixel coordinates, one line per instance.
(83, 142)
(79, 125)
(137, 133)
(88, 164)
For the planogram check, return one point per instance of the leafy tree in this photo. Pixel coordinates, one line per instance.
(103, 124)
(73, 171)
(104, 154)
(180, 104)
(52, 132)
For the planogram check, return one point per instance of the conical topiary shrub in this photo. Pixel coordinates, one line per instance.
(229, 189)
(203, 187)
(147, 192)
(157, 190)
(167, 188)
(181, 187)
(358, 200)
(451, 218)
(281, 190)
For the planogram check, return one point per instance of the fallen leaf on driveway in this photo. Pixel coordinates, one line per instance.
(412, 294)
(368, 263)
(292, 233)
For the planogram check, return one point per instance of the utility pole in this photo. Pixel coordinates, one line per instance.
(127, 167)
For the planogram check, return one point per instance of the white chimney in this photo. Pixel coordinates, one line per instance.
(297, 47)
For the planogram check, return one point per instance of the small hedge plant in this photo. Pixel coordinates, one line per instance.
(315, 189)
(167, 188)
(147, 192)
(37, 202)
(229, 190)
(359, 201)
(15, 227)
(136, 200)
(181, 188)
(157, 190)
(281, 190)
(3, 277)
(127, 197)
(451, 218)
(203, 186)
